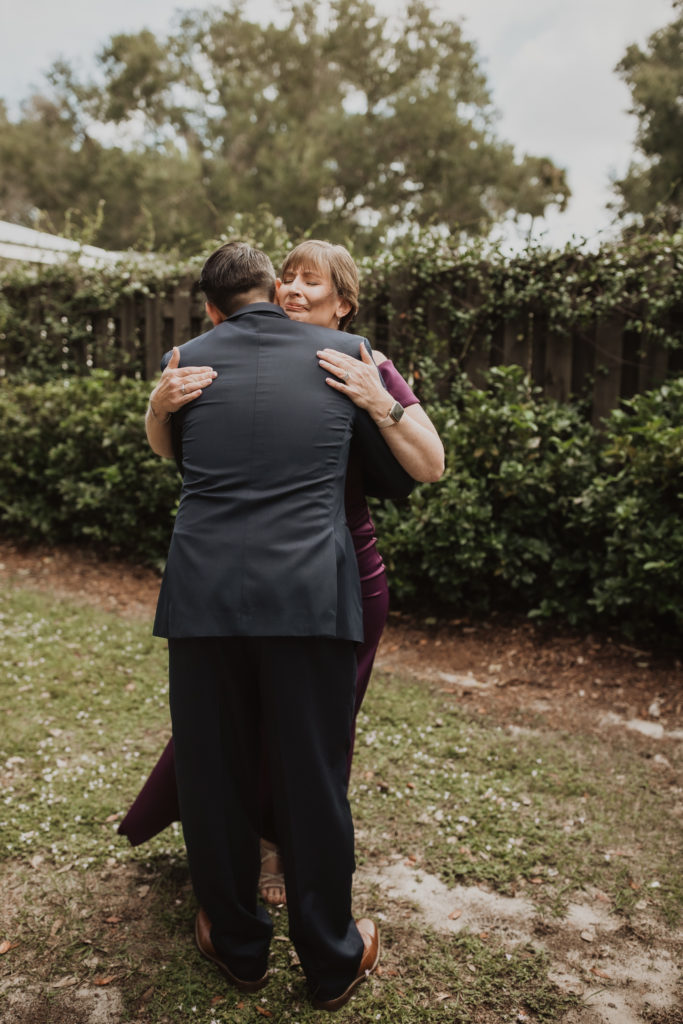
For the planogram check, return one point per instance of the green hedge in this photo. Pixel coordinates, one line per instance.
(537, 511)
(428, 301)
(75, 466)
(634, 505)
(499, 530)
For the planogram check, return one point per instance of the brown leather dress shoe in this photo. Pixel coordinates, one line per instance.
(202, 936)
(370, 936)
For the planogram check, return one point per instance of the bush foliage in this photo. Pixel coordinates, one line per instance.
(75, 466)
(537, 511)
(634, 507)
(499, 530)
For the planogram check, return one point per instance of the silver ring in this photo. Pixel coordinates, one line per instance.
(347, 377)
(182, 388)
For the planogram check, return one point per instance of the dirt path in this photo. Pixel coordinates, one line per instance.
(524, 679)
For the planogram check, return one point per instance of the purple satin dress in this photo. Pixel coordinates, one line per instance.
(156, 806)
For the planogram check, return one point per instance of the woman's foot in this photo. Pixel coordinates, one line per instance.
(271, 883)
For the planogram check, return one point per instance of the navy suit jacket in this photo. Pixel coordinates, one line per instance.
(260, 545)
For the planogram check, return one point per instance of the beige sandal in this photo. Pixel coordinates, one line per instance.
(271, 884)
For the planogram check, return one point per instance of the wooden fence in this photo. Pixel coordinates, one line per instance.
(140, 329)
(602, 363)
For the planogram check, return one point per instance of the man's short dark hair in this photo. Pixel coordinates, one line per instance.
(231, 271)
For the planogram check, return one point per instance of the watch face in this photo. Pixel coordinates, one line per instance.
(396, 412)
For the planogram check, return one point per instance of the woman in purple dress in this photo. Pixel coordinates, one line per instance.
(319, 285)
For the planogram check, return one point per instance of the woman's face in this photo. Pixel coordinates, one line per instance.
(309, 296)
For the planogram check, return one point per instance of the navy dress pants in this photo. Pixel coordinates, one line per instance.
(228, 696)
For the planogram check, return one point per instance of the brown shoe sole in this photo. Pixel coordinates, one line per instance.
(239, 983)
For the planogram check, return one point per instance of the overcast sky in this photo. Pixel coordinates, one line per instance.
(549, 64)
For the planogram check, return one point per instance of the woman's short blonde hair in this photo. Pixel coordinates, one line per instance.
(335, 261)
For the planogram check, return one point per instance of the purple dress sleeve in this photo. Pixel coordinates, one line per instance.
(397, 387)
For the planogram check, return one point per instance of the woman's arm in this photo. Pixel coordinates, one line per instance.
(176, 387)
(413, 439)
(158, 430)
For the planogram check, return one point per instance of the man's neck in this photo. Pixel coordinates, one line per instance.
(247, 298)
(217, 316)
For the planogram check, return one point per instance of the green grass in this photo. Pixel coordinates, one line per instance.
(84, 705)
(84, 696)
(539, 812)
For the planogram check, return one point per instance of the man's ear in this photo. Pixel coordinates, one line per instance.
(214, 314)
(278, 285)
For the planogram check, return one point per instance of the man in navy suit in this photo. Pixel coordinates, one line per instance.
(260, 602)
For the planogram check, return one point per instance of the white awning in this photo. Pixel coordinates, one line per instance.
(26, 245)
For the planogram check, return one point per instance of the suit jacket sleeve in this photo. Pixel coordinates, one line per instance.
(383, 475)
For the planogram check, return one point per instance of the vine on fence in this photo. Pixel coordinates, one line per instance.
(431, 298)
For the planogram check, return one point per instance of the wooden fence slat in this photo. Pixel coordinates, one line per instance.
(477, 360)
(127, 316)
(182, 303)
(517, 343)
(100, 331)
(583, 361)
(153, 336)
(653, 367)
(557, 376)
(80, 353)
(609, 336)
(538, 331)
(631, 362)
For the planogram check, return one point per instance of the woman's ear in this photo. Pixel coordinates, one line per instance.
(343, 307)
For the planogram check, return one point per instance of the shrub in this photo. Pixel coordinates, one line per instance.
(636, 502)
(75, 466)
(497, 531)
(537, 512)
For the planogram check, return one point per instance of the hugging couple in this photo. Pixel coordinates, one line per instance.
(273, 602)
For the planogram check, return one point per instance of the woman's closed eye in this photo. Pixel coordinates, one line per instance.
(309, 279)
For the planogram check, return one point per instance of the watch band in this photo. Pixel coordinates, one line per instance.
(393, 416)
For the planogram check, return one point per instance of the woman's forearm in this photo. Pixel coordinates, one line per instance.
(176, 387)
(158, 430)
(416, 445)
(413, 440)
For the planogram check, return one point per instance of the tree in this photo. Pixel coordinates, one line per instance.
(58, 176)
(653, 187)
(342, 121)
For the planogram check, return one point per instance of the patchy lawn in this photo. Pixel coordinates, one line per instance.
(517, 799)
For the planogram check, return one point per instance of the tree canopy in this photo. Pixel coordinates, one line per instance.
(341, 121)
(653, 187)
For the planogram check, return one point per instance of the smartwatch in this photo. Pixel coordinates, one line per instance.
(393, 416)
